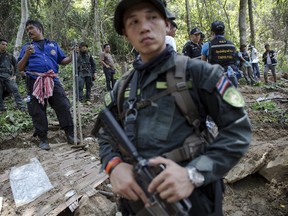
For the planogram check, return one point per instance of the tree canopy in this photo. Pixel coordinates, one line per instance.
(92, 21)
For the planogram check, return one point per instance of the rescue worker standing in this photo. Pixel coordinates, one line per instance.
(221, 51)
(108, 66)
(245, 65)
(160, 126)
(39, 60)
(193, 47)
(86, 69)
(8, 70)
(270, 62)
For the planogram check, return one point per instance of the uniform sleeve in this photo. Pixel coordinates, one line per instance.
(14, 63)
(186, 51)
(224, 104)
(60, 54)
(93, 64)
(106, 148)
(22, 52)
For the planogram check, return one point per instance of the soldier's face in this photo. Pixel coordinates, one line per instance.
(83, 49)
(145, 28)
(3, 46)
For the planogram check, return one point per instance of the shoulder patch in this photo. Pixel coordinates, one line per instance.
(229, 93)
(233, 97)
(107, 99)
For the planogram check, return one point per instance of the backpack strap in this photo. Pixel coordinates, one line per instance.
(182, 95)
(123, 83)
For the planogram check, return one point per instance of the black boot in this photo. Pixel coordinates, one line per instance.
(44, 144)
(70, 138)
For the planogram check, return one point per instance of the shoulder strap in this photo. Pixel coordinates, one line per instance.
(123, 83)
(182, 96)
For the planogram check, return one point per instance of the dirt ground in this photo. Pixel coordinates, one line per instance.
(251, 196)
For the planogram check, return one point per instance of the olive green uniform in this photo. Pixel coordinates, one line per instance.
(161, 127)
(8, 70)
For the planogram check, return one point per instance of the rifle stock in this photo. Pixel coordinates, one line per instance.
(143, 173)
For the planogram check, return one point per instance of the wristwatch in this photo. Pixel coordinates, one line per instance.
(195, 177)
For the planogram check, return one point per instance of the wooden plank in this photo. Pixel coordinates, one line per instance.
(61, 207)
(71, 170)
(4, 177)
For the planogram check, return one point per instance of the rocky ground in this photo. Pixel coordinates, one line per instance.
(257, 186)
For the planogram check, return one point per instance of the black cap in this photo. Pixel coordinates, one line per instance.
(173, 23)
(217, 26)
(126, 4)
(195, 31)
(83, 44)
(2, 39)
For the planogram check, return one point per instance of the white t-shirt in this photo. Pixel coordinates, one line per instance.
(269, 59)
(254, 56)
(171, 41)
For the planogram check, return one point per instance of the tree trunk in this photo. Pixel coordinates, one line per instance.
(251, 21)
(21, 28)
(188, 15)
(96, 38)
(286, 32)
(242, 21)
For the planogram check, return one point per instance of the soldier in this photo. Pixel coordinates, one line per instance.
(158, 127)
(86, 70)
(8, 77)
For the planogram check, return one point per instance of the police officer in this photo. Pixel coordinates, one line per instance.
(221, 51)
(86, 70)
(161, 128)
(193, 47)
(8, 77)
(39, 59)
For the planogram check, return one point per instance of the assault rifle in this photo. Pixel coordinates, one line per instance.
(143, 173)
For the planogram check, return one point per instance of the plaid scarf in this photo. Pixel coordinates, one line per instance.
(43, 86)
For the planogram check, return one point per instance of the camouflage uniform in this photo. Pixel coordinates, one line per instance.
(86, 70)
(7, 71)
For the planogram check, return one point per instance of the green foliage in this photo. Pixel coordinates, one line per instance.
(14, 121)
(264, 105)
(282, 63)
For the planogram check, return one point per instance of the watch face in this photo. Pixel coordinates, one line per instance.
(195, 177)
